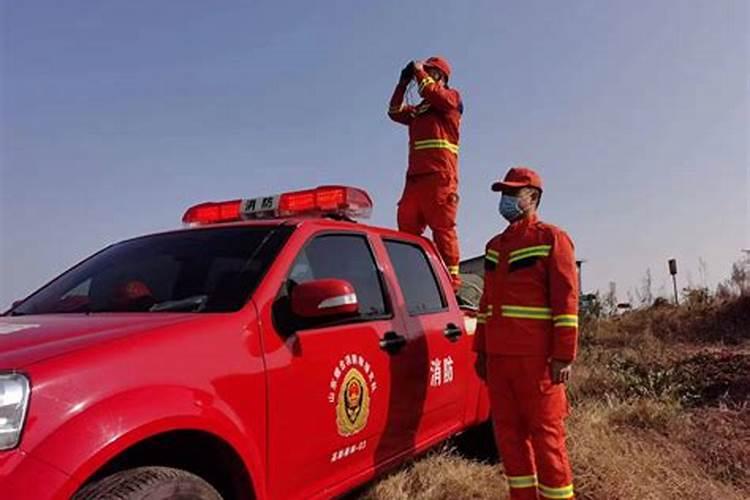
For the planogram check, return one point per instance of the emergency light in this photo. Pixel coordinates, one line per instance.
(341, 202)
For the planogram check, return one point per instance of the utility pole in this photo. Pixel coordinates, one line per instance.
(673, 271)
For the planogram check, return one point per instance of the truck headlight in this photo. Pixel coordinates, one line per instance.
(14, 398)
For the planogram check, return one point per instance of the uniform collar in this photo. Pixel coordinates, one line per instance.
(524, 222)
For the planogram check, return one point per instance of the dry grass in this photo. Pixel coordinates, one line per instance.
(621, 453)
(442, 475)
(661, 410)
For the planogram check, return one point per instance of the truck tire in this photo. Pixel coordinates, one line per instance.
(149, 483)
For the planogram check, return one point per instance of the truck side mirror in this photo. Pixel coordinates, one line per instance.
(325, 298)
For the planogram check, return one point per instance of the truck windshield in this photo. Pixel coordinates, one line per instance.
(201, 270)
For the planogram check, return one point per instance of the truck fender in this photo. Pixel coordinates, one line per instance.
(92, 436)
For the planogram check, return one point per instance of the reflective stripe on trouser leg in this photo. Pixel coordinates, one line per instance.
(511, 434)
(563, 492)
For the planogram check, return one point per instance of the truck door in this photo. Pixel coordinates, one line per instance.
(329, 385)
(447, 365)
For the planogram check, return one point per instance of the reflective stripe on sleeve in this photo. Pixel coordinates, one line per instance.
(482, 317)
(422, 109)
(524, 253)
(453, 269)
(556, 493)
(522, 481)
(526, 312)
(395, 109)
(492, 256)
(436, 144)
(566, 320)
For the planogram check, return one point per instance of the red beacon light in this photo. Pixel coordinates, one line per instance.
(338, 202)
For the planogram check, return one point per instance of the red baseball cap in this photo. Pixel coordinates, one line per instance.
(439, 63)
(518, 177)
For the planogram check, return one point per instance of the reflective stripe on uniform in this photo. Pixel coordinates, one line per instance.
(453, 269)
(482, 317)
(395, 109)
(422, 109)
(556, 493)
(566, 320)
(523, 253)
(492, 256)
(435, 144)
(522, 481)
(425, 82)
(526, 312)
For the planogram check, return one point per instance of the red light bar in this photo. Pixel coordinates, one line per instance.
(212, 212)
(334, 201)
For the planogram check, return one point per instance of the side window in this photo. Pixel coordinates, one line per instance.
(416, 278)
(346, 257)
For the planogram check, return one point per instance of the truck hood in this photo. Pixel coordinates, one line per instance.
(28, 339)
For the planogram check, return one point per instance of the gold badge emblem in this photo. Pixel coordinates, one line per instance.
(353, 403)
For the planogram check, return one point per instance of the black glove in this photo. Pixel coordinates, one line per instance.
(407, 73)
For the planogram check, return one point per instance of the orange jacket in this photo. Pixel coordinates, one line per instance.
(433, 126)
(530, 300)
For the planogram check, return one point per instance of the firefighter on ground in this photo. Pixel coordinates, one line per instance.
(430, 197)
(526, 340)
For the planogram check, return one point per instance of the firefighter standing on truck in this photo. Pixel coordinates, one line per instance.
(526, 340)
(430, 196)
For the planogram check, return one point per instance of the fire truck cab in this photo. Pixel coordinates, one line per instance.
(274, 348)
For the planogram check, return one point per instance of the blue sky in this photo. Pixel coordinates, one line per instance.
(116, 116)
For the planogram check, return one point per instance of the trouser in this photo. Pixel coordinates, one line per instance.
(431, 200)
(528, 412)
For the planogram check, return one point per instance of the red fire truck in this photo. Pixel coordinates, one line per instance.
(274, 348)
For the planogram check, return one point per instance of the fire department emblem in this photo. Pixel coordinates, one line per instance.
(351, 387)
(353, 405)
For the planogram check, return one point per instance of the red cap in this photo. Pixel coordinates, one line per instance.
(440, 63)
(518, 177)
(131, 290)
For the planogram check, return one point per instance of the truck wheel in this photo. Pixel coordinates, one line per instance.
(149, 483)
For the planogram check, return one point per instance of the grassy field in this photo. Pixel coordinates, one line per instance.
(660, 410)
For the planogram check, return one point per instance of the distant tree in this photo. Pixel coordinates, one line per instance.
(703, 272)
(645, 293)
(740, 276)
(609, 303)
(738, 282)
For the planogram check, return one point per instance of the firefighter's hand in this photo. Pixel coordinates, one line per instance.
(560, 371)
(481, 365)
(407, 73)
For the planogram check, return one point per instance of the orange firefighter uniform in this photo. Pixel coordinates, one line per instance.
(430, 197)
(528, 316)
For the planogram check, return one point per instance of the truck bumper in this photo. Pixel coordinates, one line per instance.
(22, 477)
